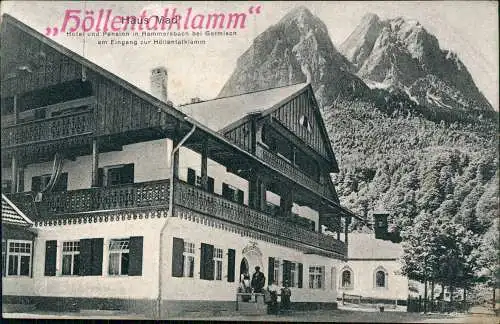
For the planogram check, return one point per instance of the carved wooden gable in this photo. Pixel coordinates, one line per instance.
(301, 116)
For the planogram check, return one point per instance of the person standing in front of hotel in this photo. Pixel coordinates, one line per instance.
(258, 281)
(273, 307)
(285, 296)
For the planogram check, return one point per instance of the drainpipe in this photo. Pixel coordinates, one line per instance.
(169, 214)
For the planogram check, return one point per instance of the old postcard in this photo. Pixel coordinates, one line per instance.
(290, 161)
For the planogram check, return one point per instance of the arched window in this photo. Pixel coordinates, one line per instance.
(347, 280)
(380, 278)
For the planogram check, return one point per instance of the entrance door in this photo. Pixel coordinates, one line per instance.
(244, 267)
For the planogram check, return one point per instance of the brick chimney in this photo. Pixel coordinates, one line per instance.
(159, 78)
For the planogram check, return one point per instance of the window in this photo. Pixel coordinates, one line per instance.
(276, 270)
(19, 258)
(70, 258)
(117, 175)
(294, 274)
(188, 259)
(232, 193)
(380, 278)
(195, 180)
(347, 280)
(39, 183)
(60, 92)
(218, 259)
(304, 122)
(316, 275)
(118, 257)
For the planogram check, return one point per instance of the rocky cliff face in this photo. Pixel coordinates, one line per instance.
(401, 54)
(296, 49)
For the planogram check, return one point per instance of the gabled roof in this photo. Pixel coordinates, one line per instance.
(223, 114)
(364, 246)
(219, 113)
(12, 215)
(6, 18)
(177, 113)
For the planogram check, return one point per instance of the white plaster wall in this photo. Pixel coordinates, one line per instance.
(18, 286)
(6, 174)
(151, 162)
(197, 289)
(103, 286)
(364, 285)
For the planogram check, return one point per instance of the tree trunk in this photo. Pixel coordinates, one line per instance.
(425, 297)
(451, 296)
(432, 296)
(464, 302)
(494, 303)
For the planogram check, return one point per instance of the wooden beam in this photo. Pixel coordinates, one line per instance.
(95, 162)
(14, 173)
(16, 110)
(347, 221)
(204, 165)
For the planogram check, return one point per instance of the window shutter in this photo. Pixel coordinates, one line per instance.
(135, 256)
(323, 277)
(210, 185)
(270, 270)
(85, 257)
(240, 197)
(301, 273)
(127, 173)
(231, 256)
(287, 271)
(225, 191)
(50, 258)
(191, 177)
(100, 177)
(97, 245)
(207, 262)
(36, 183)
(177, 251)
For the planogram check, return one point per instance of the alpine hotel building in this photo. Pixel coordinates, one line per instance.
(114, 199)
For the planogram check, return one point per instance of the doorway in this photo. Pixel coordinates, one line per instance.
(244, 268)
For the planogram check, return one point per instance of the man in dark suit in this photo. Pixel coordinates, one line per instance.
(258, 280)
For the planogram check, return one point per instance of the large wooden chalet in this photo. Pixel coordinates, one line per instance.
(122, 219)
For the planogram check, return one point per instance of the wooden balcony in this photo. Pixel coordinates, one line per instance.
(156, 194)
(216, 206)
(290, 170)
(145, 194)
(47, 129)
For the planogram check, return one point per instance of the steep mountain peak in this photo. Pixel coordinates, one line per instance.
(400, 54)
(369, 18)
(296, 49)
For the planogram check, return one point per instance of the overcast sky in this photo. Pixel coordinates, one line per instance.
(468, 28)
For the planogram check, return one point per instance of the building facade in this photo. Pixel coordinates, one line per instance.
(371, 273)
(141, 206)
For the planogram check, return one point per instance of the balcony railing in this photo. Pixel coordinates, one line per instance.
(290, 170)
(214, 205)
(48, 129)
(135, 195)
(150, 194)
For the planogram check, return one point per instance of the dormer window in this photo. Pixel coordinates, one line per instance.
(304, 122)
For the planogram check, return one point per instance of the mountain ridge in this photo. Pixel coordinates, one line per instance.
(401, 54)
